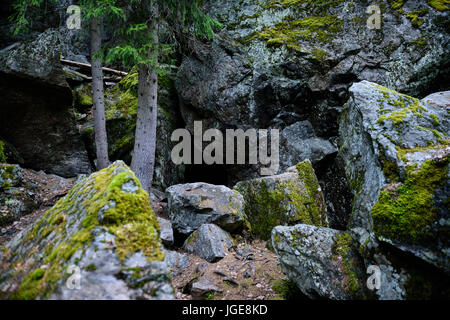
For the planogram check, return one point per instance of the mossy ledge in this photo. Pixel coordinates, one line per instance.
(405, 211)
(109, 201)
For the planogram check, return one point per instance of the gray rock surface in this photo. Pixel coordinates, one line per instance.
(17, 198)
(166, 231)
(298, 142)
(202, 288)
(324, 263)
(441, 99)
(383, 134)
(193, 204)
(36, 118)
(209, 242)
(176, 261)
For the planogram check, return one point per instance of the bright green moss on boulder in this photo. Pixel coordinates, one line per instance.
(109, 202)
(2, 152)
(405, 212)
(290, 198)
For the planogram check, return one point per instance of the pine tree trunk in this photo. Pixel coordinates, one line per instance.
(143, 162)
(101, 141)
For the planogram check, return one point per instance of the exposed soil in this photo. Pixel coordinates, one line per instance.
(248, 272)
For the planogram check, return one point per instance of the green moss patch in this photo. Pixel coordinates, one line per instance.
(405, 211)
(342, 254)
(267, 206)
(2, 152)
(111, 199)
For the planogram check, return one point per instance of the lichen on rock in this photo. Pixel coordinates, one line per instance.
(290, 198)
(104, 226)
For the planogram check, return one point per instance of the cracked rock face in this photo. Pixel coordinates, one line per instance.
(396, 154)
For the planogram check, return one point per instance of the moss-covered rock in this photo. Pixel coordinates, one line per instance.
(396, 151)
(290, 198)
(105, 230)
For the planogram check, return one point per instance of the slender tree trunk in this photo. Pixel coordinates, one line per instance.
(101, 141)
(143, 162)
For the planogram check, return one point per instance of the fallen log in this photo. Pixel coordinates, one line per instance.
(88, 66)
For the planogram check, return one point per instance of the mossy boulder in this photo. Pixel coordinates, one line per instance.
(17, 197)
(104, 233)
(396, 150)
(324, 263)
(121, 103)
(396, 153)
(290, 198)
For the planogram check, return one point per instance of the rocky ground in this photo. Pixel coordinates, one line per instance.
(363, 182)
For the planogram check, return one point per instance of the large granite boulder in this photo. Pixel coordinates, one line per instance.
(290, 198)
(396, 153)
(36, 115)
(324, 263)
(101, 241)
(194, 204)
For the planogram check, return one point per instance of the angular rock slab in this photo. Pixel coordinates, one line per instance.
(324, 263)
(396, 152)
(104, 234)
(166, 233)
(209, 242)
(299, 143)
(286, 199)
(193, 204)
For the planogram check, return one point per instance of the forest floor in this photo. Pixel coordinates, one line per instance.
(250, 271)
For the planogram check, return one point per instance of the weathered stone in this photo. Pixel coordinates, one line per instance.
(176, 261)
(193, 204)
(166, 233)
(440, 99)
(209, 242)
(103, 232)
(299, 143)
(286, 199)
(17, 198)
(324, 263)
(396, 152)
(36, 116)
